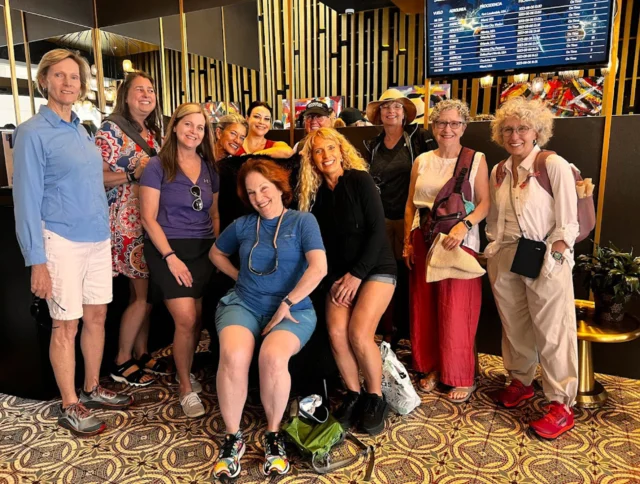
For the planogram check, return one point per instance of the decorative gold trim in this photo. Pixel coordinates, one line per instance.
(607, 109)
(166, 108)
(12, 59)
(622, 72)
(27, 58)
(475, 94)
(96, 38)
(225, 65)
(289, 73)
(185, 53)
(427, 101)
(634, 76)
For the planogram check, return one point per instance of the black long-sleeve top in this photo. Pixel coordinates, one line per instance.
(351, 220)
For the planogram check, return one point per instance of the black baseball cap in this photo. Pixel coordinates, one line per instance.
(315, 106)
(351, 116)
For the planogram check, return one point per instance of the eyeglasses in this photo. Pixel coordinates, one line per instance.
(275, 246)
(390, 106)
(197, 204)
(319, 117)
(444, 124)
(521, 130)
(35, 309)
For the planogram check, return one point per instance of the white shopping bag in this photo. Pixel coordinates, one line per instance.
(396, 384)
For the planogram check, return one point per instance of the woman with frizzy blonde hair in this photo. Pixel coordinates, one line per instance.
(310, 178)
(336, 187)
(537, 312)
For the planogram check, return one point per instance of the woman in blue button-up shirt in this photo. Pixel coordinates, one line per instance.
(63, 232)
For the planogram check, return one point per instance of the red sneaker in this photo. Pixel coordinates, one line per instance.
(515, 393)
(556, 422)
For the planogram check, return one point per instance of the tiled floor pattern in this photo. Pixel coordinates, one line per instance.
(439, 442)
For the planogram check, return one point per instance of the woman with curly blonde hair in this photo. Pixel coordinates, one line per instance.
(537, 313)
(335, 186)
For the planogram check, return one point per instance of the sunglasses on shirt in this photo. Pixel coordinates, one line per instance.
(197, 204)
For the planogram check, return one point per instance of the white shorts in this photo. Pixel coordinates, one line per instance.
(80, 274)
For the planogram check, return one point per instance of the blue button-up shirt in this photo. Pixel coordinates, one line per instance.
(57, 180)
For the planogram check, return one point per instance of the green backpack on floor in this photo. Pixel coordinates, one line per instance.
(315, 436)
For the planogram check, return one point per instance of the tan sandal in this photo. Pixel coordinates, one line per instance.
(467, 391)
(429, 382)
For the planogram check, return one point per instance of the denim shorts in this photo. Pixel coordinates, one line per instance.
(386, 278)
(233, 312)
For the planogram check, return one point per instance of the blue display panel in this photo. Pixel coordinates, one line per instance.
(484, 36)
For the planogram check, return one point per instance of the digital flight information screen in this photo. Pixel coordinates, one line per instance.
(484, 36)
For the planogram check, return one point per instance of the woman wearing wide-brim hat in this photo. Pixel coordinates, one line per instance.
(391, 155)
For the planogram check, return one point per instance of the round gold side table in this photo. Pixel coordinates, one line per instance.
(591, 393)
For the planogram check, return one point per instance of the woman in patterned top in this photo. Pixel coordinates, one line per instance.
(124, 161)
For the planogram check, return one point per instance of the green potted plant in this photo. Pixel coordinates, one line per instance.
(614, 278)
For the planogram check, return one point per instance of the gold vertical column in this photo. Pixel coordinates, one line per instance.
(607, 109)
(166, 110)
(185, 54)
(225, 66)
(289, 74)
(427, 101)
(12, 59)
(27, 58)
(96, 37)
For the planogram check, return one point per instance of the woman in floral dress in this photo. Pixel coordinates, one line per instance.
(124, 162)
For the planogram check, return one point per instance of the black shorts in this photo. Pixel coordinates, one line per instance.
(194, 253)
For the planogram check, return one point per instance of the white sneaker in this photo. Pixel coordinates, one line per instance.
(192, 405)
(195, 384)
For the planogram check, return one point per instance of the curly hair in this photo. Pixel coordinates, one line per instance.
(272, 172)
(460, 106)
(309, 179)
(532, 112)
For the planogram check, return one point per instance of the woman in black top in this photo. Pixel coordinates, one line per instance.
(335, 186)
(391, 156)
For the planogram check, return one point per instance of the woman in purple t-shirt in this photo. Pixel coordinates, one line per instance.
(179, 209)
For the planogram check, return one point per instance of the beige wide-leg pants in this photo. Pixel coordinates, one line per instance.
(538, 324)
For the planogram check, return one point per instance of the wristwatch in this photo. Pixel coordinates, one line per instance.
(557, 256)
(467, 224)
(287, 301)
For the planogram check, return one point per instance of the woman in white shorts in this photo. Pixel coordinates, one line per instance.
(63, 230)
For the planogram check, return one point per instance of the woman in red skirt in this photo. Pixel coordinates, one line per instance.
(444, 314)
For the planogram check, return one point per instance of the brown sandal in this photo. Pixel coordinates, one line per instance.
(428, 382)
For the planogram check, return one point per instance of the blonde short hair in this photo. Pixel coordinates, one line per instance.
(309, 180)
(58, 55)
(533, 112)
(460, 106)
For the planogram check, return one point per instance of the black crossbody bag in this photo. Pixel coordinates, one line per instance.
(529, 257)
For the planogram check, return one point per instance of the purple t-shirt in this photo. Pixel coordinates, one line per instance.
(176, 215)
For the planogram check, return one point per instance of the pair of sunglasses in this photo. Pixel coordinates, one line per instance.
(35, 311)
(197, 204)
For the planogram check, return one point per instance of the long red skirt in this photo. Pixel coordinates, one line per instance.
(444, 320)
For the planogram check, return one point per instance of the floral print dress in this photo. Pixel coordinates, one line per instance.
(127, 236)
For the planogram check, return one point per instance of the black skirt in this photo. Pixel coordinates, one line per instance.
(194, 253)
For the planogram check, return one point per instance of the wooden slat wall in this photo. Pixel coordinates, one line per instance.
(357, 57)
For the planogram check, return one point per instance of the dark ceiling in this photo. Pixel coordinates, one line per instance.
(357, 5)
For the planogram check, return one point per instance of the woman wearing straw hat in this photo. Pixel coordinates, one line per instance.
(391, 155)
(444, 314)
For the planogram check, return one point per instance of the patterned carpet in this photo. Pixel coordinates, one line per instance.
(439, 442)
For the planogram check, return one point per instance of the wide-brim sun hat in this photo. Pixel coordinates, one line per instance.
(373, 108)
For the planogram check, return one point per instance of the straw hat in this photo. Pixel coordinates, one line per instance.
(419, 110)
(450, 264)
(373, 108)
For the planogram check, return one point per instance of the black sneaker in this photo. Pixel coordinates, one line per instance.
(374, 413)
(348, 413)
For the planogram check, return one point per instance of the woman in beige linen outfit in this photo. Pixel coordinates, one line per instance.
(538, 315)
